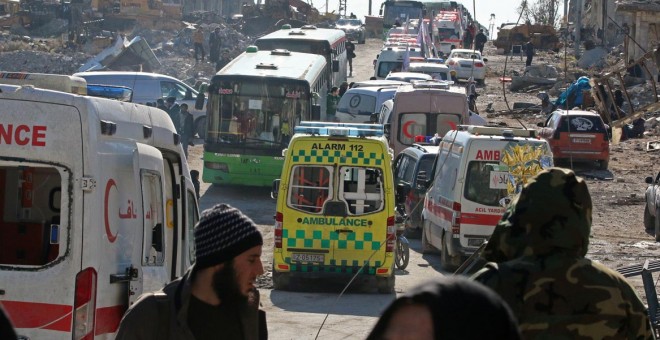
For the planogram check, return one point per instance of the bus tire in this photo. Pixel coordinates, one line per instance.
(200, 127)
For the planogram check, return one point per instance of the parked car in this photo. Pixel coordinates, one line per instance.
(466, 64)
(577, 136)
(652, 206)
(354, 29)
(413, 171)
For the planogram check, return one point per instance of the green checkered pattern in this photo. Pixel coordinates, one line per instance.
(322, 239)
(339, 157)
(343, 267)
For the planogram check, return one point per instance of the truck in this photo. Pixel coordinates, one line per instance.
(542, 36)
(98, 207)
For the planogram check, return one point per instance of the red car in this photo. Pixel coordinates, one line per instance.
(577, 136)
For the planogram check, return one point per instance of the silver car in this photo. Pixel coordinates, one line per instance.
(354, 29)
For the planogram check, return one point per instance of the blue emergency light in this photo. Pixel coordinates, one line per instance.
(339, 129)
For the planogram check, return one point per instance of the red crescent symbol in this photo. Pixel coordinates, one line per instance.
(405, 129)
(111, 183)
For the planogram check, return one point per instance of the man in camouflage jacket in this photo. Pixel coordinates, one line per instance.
(537, 265)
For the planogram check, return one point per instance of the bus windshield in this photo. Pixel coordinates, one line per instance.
(257, 113)
(394, 11)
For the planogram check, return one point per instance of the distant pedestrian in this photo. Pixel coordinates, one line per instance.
(538, 266)
(198, 41)
(160, 103)
(634, 70)
(480, 41)
(173, 110)
(343, 88)
(332, 101)
(223, 61)
(187, 128)
(214, 45)
(447, 308)
(529, 52)
(350, 54)
(216, 298)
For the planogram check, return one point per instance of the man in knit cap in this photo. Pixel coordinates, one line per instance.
(216, 298)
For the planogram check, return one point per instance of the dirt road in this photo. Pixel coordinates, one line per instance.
(618, 236)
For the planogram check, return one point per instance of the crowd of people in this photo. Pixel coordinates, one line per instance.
(181, 118)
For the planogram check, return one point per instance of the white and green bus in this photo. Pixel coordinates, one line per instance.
(329, 43)
(253, 105)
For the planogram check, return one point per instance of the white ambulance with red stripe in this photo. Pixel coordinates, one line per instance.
(97, 207)
(476, 167)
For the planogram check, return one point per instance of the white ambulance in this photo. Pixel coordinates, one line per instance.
(476, 168)
(97, 207)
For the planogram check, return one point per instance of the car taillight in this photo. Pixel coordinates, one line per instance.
(391, 234)
(278, 229)
(456, 219)
(478, 65)
(84, 305)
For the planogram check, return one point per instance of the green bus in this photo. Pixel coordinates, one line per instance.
(253, 105)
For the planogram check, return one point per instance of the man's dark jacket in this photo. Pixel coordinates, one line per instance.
(164, 315)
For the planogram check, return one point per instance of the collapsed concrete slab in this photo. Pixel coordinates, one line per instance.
(535, 76)
(595, 57)
(133, 55)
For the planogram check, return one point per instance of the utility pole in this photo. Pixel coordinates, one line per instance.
(369, 13)
(342, 8)
(491, 26)
(578, 27)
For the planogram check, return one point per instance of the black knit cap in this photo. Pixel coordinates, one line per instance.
(222, 233)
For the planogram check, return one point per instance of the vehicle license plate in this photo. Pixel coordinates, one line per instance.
(581, 140)
(308, 258)
(466, 65)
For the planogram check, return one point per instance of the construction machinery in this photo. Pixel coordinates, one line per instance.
(267, 17)
(542, 36)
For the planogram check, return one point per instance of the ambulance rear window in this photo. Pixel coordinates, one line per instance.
(478, 188)
(310, 187)
(31, 204)
(361, 189)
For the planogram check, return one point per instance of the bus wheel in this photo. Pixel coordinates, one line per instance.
(280, 280)
(200, 127)
(386, 284)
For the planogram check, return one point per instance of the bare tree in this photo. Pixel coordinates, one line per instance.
(545, 12)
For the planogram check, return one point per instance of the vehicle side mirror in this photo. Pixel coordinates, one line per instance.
(540, 124)
(649, 180)
(401, 193)
(422, 180)
(485, 60)
(335, 66)
(386, 130)
(373, 118)
(275, 189)
(199, 102)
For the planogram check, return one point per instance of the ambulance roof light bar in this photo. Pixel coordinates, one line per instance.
(339, 129)
(498, 131)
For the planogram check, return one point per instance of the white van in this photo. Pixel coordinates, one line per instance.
(97, 207)
(358, 104)
(147, 87)
(476, 167)
(422, 110)
(390, 59)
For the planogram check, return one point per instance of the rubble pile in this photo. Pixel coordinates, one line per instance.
(41, 61)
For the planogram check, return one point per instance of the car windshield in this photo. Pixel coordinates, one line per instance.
(349, 22)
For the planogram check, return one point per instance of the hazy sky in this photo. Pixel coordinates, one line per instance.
(504, 10)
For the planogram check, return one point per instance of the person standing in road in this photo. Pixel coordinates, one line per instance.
(173, 110)
(223, 61)
(447, 308)
(480, 41)
(198, 42)
(214, 45)
(187, 128)
(331, 107)
(160, 103)
(216, 298)
(529, 52)
(538, 266)
(350, 54)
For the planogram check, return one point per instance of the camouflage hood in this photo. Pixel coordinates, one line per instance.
(552, 213)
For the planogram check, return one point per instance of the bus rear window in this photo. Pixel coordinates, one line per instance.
(30, 209)
(310, 187)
